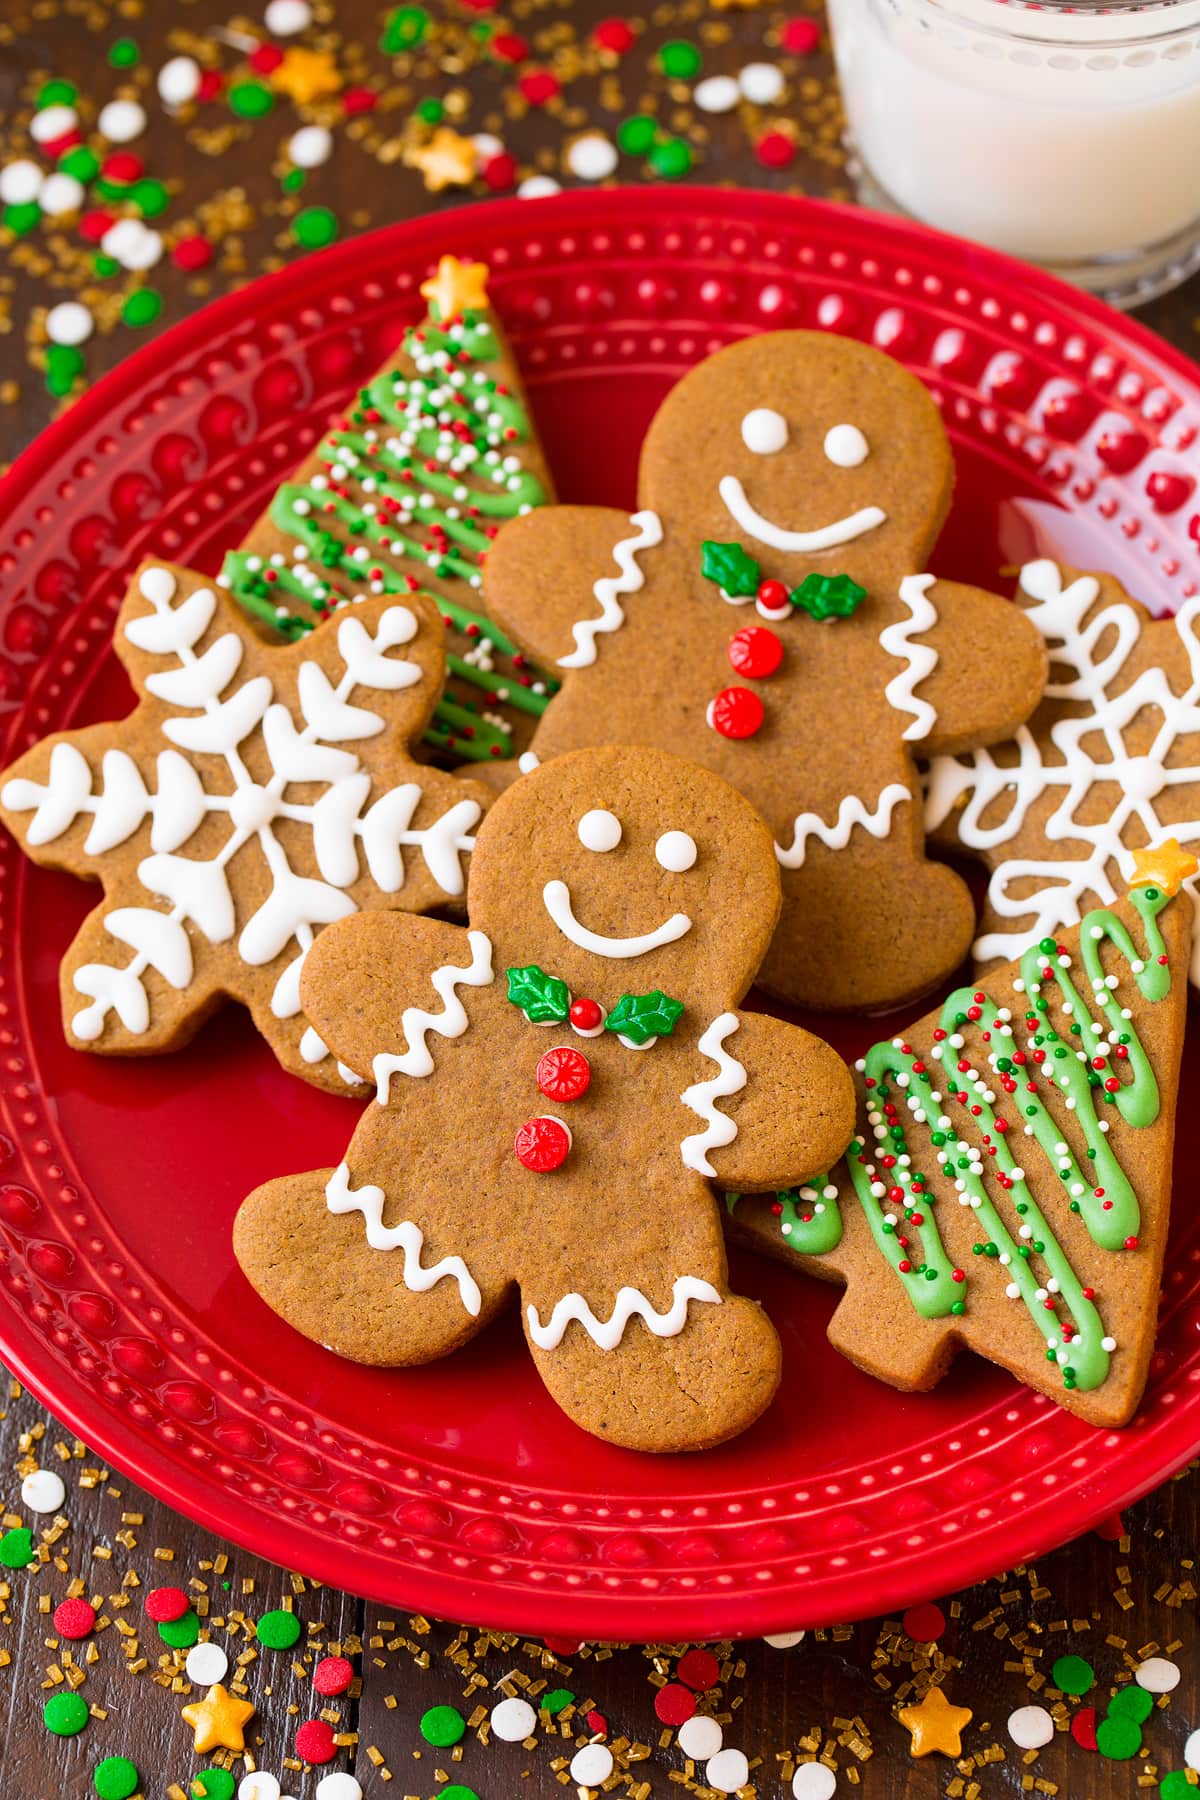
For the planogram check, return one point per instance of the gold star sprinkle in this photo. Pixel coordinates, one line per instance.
(456, 287)
(1166, 866)
(306, 75)
(447, 160)
(936, 1725)
(218, 1720)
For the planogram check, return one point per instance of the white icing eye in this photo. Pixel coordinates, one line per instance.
(599, 830)
(764, 431)
(676, 851)
(846, 446)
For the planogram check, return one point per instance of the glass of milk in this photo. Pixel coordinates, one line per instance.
(1067, 134)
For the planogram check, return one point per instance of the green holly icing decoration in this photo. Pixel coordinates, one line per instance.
(544, 999)
(641, 1017)
(730, 567)
(828, 596)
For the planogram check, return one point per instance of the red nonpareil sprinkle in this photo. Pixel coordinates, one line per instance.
(616, 35)
(314, 1742)
(775, 150)
(538, 86)
(94, 224)
(357, 100)
(74, 1618)
(58, 147)
(333, 1675)
(266, 59)
(211, 83)
(123, 166)
(166, 1603)
(800, 36)
(698, 1669)
(500, 172)
(192, 253)
(674, 1703)
(509, 47)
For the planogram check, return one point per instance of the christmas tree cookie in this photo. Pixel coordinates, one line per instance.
(1109, 761)
(1008, 1189)
(404, 494)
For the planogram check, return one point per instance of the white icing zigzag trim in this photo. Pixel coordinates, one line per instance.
(920, 659)
(851, 812)
(702, 1096)
(340, 1197)
(608, 587)
(451, 1022)
(630, 1303)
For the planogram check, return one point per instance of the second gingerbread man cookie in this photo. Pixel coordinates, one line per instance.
(765, 613)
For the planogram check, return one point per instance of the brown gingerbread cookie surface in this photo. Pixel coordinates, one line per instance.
(257, 793)
(556, 1088)
(1109, 762)
(1009, 1186)
(764, 613)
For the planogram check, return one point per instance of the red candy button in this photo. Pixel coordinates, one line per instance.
(563, 1073)
(587, 1017)
(542, 1144)
(755, 651)
(74, 1618)
(166, 1603)
(735, 713)
(333, 1675)
(314, 1742)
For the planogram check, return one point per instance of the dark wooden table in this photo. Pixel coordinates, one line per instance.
(1112, 1599)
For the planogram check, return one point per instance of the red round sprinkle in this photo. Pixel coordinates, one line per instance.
(615, 35)
(122, 165)
(509, 47)
(74, 1618)
(192, 253)
(563, 1073)
(1083, 1727)
(755, 651)
(314, 1742)
(674, 1703)
(266, 59)
(562, 1646)
(597, 1724)
(775, 150)
(211, 83)
(699, 1669)
(166, 1603)
(542, 1144)
(333, 1675)
(924, 1624)
(359, 100)
(587, 1017)
(538, 86)
(500, 172)
(94, 224)
(801, 36)
(58, 147)
(735, 713)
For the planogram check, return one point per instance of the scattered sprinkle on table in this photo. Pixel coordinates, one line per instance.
(674, 1703)
(555, 1701)
(181, 1633)
(443, 1726)
(1158, 1675)
(935, 1724)
(340, 1786)
(314, 1742)
(761, 83)
(16, 1548)
(74, 1619)
(513, 1720)
(213, 1784)
(218, 1721)
(1191, 1751)
(165, 1603)
(284, 18)
(260, 1784)
(206, 1664)
(116, 1778)
(924, 1624)
(44, 1491)
(1083, 1727)
(1030, 1727)
(727, 1771)
(814, 1781)
(700, 1737)
(698, 1669)
(333, 1675)
(456, 1791)
(1132, 1702)
(785, 1640)
(65, 1714)
(121, 121)
(592, 1766)
(1118, 1738)
(278, 1630)
(1073, 1675)
(315, 227)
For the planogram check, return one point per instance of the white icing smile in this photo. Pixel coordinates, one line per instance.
(556, 896)
(825, 537)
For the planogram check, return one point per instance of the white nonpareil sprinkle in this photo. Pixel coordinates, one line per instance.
(206, 1664)
(283, 18)
(592, 1765)
(179, 81)
(51, 123)
(121, 121)
(727, 1772)
(761, 83)
(20, 182)
(1030, 1727)
(44, 1491)
(513, 1720)
(1158, 1675)
(61, 194)
(814, 1781)
(717, 94)
(593, 157)
(132, 244)
(69, 322)
(538, 187)
(309, 147)
(700, 1737)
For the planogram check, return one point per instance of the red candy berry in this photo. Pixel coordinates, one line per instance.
(166, 1603)
(773, 600)
(333, 1675)
(314, 1742)
(542, 1144)
(563, 1073)
(755, 651)
(698, 1669)
(735, 713)
(74, 1618)
(587, 1017)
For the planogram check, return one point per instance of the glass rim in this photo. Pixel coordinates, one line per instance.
(1098, 24)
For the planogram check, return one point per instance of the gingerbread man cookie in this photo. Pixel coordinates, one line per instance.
(1009, 1185)
(764, 612)
(556, 1088)
(257, 793)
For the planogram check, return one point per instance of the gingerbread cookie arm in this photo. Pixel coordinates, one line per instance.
(383, 988)
(540, 581)
(776, 1106)
(990, 669)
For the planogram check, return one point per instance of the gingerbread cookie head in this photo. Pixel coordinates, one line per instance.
(798, 446)
(257, 793)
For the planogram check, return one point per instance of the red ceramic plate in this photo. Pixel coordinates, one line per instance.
(461, 1489)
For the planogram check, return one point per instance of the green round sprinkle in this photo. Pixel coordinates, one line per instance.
(293, 181)
(1176, 1786)
(57, 93)
(213, 1784)
(442, 1726)
(555, 1700)
(105, 265)
(1132, 1702)
(182, 1633)
(635, 136)
(123, 54)
(116, 1778)
(404, 28)
(278, 1630)
(671, 159)
(82, 163)
(251, 100)
(22, 218)
(315, 227)
(142, 307)
(679, 60)
(150, 197)
(456, 1791)
(431, 110)
(1073, 1675)
(65, 1714)
(1118, 1739)
(16, 1547)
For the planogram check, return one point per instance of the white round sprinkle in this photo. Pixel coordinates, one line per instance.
(179, 81)
(1030, 1727)
(700, 1737)
(528, 761)
(814, 1781)
(764, 431)
(61, 194)
(206, 1664)
(51, 123)
(761, 83)
(592, 1765)
(1191, 1750)
(599, 830)
(283, 18)
(69, 322)
(538, 187)
(717, 94)
(311, 146)
(258, 1785)
(121, 121)
(20, 182)
(846, 446)
(132, 244)
(675, 851)
(513, 1721)
(1158, 1675)
(44, 1492)
(339, 1786)
(727, 1772)
(487, 145)
(784, 1640)
(593, 157)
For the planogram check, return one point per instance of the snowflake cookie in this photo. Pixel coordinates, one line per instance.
(257, 793)
(556, 1088)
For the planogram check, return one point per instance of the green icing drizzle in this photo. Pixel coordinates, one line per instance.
(809, 1217)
